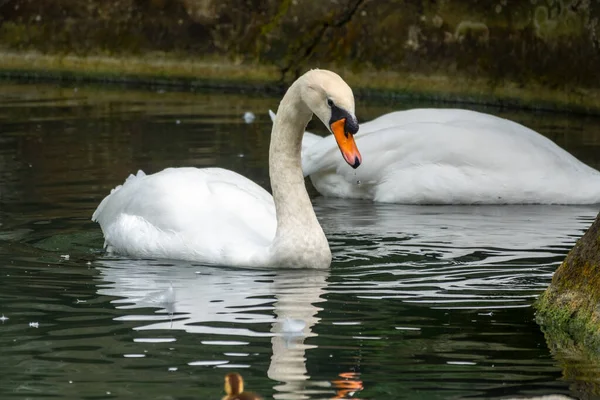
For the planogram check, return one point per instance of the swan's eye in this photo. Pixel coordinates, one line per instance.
(330, 102)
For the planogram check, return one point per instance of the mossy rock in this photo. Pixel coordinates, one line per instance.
(569, 312)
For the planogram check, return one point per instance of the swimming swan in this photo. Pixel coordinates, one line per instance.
(217, 216)
(451, 156)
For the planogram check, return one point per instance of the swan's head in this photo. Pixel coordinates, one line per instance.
(331, 99)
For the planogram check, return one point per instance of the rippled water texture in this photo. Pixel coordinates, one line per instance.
(420, 302)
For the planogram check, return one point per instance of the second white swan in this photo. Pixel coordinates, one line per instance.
(451, 156)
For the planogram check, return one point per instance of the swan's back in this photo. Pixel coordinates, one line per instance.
(453, 156)
(187, 213)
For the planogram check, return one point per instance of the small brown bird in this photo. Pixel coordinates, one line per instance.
(234, 387)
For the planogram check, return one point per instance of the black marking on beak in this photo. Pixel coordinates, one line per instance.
(351, 124)
(356, 163)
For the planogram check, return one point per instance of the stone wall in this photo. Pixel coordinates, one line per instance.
(555, 43)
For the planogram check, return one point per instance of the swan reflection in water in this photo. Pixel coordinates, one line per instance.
(366, 239)
(202, 299)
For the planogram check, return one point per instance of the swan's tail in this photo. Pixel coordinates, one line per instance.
(96, 216)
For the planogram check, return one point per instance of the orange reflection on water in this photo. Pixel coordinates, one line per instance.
(348, 385)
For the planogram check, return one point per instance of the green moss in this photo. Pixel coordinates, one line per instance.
(547, 43)
(173, 70)
(570, 316)
(19, 35)
(155, 68)
(572, 335)
(572, 301)
(569, 312)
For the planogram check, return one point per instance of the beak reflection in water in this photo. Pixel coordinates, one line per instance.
(348, 385)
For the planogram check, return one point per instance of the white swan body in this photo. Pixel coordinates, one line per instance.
(188, 213)
(216, 216)
(451, 156)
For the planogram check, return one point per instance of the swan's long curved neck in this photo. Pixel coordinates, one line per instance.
(297, 224)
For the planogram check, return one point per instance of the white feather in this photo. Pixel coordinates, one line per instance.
(450, 156)
(219, 217)
(189, 214)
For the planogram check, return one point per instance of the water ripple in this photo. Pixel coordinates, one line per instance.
(450, 256)
(420, 302)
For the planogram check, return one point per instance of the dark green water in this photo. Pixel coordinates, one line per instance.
(420, 302)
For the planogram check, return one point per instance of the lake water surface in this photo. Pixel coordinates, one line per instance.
(421, 302)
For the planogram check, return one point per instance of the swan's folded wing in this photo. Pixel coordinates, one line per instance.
(379, 149)
(374, 138)
(245, 210)
(401, 119)
(320, 156)
(213, 206)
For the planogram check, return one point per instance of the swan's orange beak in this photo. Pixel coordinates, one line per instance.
(345, 141)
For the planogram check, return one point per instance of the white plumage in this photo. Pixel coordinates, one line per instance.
(451, 156)
(216, 216)
(189, 214)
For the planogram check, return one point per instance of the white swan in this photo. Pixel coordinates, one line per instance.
(451, 156)
(217, 216)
